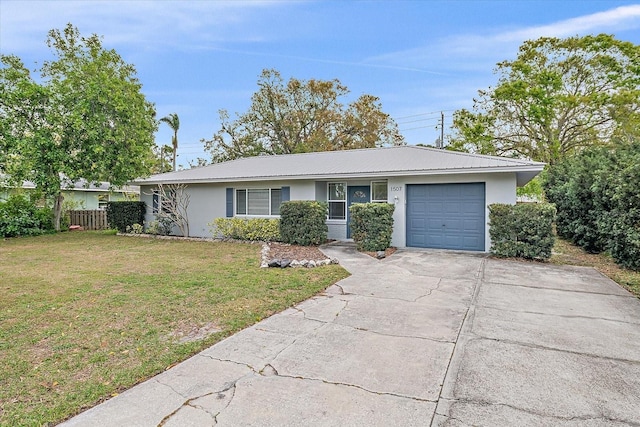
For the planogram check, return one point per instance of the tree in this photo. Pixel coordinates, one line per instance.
(162, 159)
(173, 122)
(302, 116)
(557, 96)
(86, 119)
(173, 205)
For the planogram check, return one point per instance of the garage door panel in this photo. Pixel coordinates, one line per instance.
(446, 216)
(453, 207)
(472, 225)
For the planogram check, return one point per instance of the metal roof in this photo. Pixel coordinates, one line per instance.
(84, 185)
(373, 162)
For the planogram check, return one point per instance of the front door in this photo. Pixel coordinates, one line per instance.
(357, 194)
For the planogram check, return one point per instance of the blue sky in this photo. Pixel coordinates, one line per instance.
(418, 57)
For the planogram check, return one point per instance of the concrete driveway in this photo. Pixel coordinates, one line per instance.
(418, 339)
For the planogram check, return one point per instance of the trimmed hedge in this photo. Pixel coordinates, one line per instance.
(121, 215)
(253, 229)
(523, 230)
(371, 225)
(597, 193)
(303, 222)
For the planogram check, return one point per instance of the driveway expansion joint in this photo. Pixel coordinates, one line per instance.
(462, 337)
(578, 291)
(558, 350)
(564, 316)
(542, 414)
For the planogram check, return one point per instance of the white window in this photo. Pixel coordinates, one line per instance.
(337, 198)
(379, 192)
(258, 201)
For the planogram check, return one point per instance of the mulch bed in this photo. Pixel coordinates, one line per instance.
(284, 251)
(295, 252)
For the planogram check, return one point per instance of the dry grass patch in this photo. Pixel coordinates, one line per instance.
(566, 253)
(87, 315)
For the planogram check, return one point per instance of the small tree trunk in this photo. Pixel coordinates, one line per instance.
(57, 210)
(175, 149)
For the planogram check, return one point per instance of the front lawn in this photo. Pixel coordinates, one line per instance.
(566, 253)
(87, 315)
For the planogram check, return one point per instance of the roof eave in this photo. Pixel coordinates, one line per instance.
(525, 170)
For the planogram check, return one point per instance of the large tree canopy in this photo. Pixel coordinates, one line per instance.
(302, 116)
(86, 119)
(557, 96)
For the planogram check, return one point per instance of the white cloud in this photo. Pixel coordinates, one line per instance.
(475, 52)
(623, 17)
(147, 24)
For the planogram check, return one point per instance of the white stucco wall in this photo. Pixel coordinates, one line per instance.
(499, 188)
(209, 201)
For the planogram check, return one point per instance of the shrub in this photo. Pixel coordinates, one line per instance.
(44, 217)
(371, 225)
(253, 229)
(597, 194)
(20, 217)
(524, 230)
(303, 222)
(135, 229)
(568, 185)
(123, 214)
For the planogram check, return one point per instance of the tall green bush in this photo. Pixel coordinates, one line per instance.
(253, 229)
(523, 230)
(19, 216)
(568, 185)
(371, 225)
(121, 215)
(597, 193)
(303, 222)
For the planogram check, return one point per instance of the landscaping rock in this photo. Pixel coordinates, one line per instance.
(380, 254)
(285, 263)
(274, 263)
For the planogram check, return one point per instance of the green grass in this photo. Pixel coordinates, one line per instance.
(87, 315)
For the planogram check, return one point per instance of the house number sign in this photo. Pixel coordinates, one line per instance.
(396, 188)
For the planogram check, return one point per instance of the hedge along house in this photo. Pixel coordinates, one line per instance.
(441, 197)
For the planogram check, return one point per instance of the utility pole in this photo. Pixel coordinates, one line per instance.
(441, 129)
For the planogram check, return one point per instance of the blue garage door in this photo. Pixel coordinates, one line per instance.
(446, 216)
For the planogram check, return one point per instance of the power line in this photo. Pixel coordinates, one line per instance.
(420, 127)
(419, 120)
(425, 114)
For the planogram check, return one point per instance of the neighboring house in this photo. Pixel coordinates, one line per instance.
(87, 196)
(440, 196)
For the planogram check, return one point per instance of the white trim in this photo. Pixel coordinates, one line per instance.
(344, 201)
(251, 215)
(386, 183)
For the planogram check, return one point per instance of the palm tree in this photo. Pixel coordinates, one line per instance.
(174, 123)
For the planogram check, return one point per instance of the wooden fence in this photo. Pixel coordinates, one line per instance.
(89, 219)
